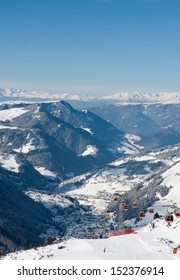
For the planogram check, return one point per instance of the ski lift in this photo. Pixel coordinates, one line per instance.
(141, 214)
(123, 202)
(125, 207)
(177, 212)
(134, 205)
(151, 210)
(116, 194)
(169, 218)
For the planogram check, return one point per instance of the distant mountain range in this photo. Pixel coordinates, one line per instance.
(142, 97)
(121, 97)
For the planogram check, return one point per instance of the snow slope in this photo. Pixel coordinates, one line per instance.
(90, 150)
(45, 172)
(148, 244)
(11, 113)
(9, 162)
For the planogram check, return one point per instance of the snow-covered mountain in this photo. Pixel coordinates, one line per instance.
(120, 97)
(139, 97)
(58, 140)
(81, 168)
(19, 94)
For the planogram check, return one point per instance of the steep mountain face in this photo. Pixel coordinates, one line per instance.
(58, 139)
(165, 115)
(157, 125)
(22, 220)
(130, 118)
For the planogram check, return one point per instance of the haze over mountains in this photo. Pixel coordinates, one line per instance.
(63, 164)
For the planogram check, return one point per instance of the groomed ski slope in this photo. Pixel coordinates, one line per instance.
(147, 244)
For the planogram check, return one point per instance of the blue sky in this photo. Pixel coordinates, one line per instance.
(90, 46)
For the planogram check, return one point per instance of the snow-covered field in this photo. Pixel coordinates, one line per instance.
(9, 162)
(45, 172)
(26, 148)
(11, 113)
(50, 200)
(90, 150)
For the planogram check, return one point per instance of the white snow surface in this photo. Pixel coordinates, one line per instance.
(87, 129)
(26, 148)
(11, 113)
(147, 244)
(45, 172)
(9, 162)
(128, 149)
(90, 151)
(50, 200)
(172, 181)
(8, 127)
(130, 146)
(133, 139)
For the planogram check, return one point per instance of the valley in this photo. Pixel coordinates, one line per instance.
(99, 182)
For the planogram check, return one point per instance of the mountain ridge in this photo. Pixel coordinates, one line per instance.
(120, 97)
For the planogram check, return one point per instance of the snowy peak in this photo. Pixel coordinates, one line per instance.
(138, 97)
(20, 94)
(12, 94)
